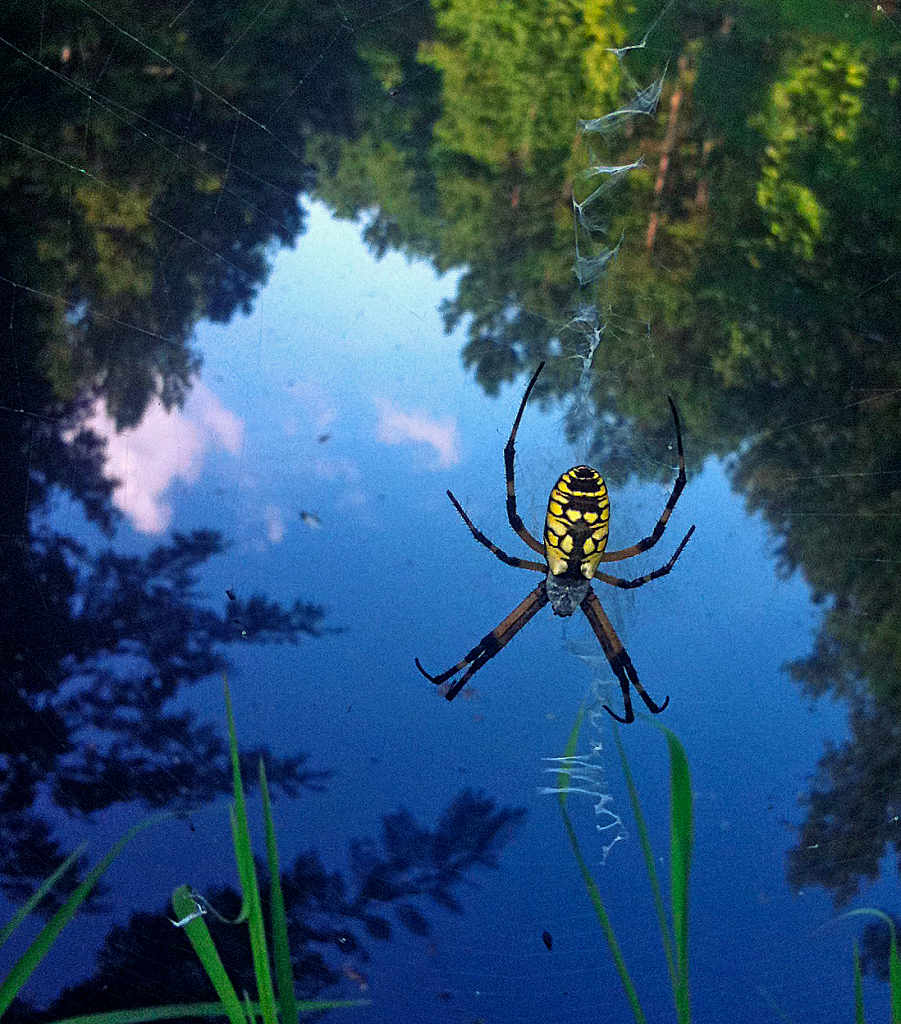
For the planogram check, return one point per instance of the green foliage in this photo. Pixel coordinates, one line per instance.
(673, 930)
(511, 78)
(810, 126)
(40, 946)
(189, 911)
(606, 31)
(276, 1001)
(130, 257)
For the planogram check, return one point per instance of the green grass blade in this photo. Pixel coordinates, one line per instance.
(250, 1009)
(773, 1005)
(148, 1014)
(568, 752)
(39, 948)
(894, 962)
(591, 886)
(281, 949)
(239, 807)
(595, 896)
(248, 875)
(644, 841)
(682, 831)
(314, 1005)
(184, 904)
(894, 977)
(858, 985)
(32, 902)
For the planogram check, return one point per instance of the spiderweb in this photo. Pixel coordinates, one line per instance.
(371, 440)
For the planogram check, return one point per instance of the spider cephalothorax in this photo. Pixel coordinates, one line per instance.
(575, 542)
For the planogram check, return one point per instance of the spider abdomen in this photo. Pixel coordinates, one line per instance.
(578, 517)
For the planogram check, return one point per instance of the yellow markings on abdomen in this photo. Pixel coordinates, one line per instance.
(575, 531)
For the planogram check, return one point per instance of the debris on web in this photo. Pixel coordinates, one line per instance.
(588, 223)
(594, 254)
(584, 774)
(645, 102)
(604, 179)
(590, 268)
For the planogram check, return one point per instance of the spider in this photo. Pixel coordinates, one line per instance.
(575, 539)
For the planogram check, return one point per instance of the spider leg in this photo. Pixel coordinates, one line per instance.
(615, 581)
(519, 563)
(657, 532)
(491, 643)
(513, 516)
(620, 662)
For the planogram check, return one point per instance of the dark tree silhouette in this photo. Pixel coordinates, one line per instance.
(852, 809)
(94, 645)
(94, 650)
(330, 917)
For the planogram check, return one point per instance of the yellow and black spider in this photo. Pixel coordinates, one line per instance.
(575, 538)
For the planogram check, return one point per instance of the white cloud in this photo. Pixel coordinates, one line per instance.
(416, 427)
(165, 446)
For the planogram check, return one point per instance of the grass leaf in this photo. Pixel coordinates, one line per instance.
(32, 902)
(894, 963)
(681, 833)
(149, 1014)
(39, 948)
(681, 838)
(858, 985)
(248, 874)
(569, 752)
(644, 841)
(281, 948)
(590, 885)
(595, 896)
(184, 904)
